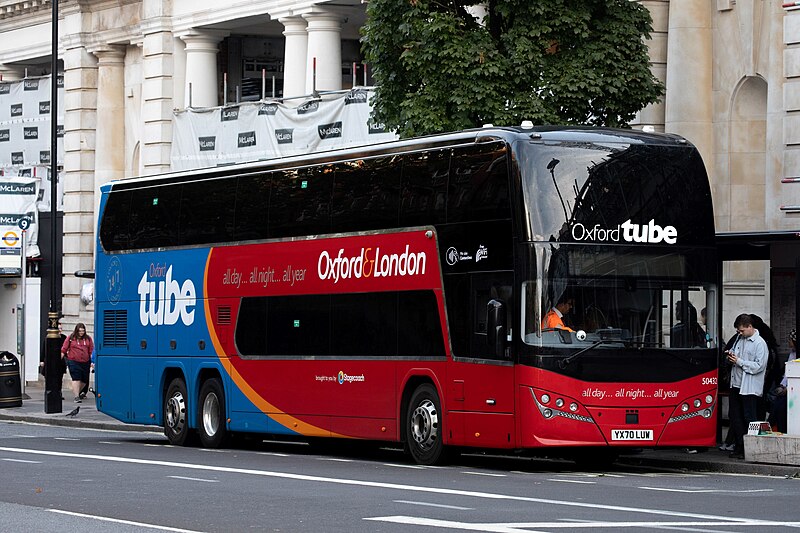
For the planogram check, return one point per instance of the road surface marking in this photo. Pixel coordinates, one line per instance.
(334, 459)
(428, 504)
(694, 491)
(381, 485)
(527, 527)
(483, 474)
(273, 454)
(195, 479)
(64, 438)
(414, 467)
(21, 461)
(126, 522)
(574, 481)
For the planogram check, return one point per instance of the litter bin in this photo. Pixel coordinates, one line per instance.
(10, 385)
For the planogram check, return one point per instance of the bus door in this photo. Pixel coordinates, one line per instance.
(481, 379)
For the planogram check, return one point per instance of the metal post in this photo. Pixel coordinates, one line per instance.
(263, 83)
(365, 73)
(225, 89)
(273, 87)
(190, 95)
(21, 318)
(52, 360)
(354, 75)
(314, 76)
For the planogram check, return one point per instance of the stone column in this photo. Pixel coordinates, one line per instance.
(653, 114)
(294, 56)
(790, 192)
(201, 67)
(79, 106)
(157, 96)
(109, 159)
(324, 44)
(688, 108)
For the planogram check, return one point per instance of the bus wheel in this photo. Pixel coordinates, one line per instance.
(176, 426)
(211, 423)
(424, 426)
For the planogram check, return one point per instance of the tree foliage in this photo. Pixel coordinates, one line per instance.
(549, 61)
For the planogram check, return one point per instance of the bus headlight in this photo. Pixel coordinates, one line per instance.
(548, 413)
(559, 403)
(709, 398)
(706, 413)
(545, 398)
(697, 403)
(573, 407)
(684, 407)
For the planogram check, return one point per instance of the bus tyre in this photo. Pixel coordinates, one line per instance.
(211, 414)
(424, 428)
(176, 422)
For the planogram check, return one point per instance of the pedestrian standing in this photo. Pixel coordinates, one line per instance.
(77, 349)
(748, 356)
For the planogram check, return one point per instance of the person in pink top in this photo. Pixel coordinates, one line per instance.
(77, 349)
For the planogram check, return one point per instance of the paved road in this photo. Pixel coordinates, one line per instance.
(95, 480)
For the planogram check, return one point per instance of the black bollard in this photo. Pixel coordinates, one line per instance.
(52, 366)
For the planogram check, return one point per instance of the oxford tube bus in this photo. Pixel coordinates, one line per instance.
(405, 292)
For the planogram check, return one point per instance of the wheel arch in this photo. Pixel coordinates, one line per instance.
(410, 383)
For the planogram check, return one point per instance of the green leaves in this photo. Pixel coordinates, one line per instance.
(549, 61)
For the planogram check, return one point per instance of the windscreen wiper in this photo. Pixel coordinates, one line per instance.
(562, 364)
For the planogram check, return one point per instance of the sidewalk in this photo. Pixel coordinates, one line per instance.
(712, 460)
(88, 416)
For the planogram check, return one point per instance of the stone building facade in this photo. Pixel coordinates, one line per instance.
(731, 68)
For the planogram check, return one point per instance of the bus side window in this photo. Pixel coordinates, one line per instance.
(206, 213)
(424, 188)
(114, 228)
(478, 187)
(152, 221)
(251, 219)
(300, 202)
(366, 194)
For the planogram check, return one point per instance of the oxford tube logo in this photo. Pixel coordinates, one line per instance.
(650, 233)
(163, 300)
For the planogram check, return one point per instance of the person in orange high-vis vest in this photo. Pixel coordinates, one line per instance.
(554, 319)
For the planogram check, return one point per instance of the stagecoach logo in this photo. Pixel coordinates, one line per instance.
(369, 262)
(308, 107)
(5, 88)
(329, 131)
(230, 113)
(347, 378)
(207, 144)
(453, 256)
(163, 300)
(5, 136)
(30, 133)
(44, 108)
(376, 127)
(30, 85)
(356, 96)
(285, 136)
(247, 138)
(268, 109)
(16, 110)
(628, 232)
(44, 157)
(17, 158)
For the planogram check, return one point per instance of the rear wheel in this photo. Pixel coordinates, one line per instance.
(424, 428)
(176, 422)
(211, 423)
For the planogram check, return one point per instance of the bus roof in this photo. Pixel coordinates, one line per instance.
(583, 134)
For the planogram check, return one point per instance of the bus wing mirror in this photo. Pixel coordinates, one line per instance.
(496, 326)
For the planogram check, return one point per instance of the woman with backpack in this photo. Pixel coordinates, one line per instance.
(77, 349)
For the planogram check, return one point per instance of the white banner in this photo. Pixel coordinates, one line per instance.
(17, 201)
(250, 131)
(25, 122)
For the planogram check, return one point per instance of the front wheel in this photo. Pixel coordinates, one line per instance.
(211, 415)
(424, 429)
(176, 423)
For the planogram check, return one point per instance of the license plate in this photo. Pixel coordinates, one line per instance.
(631, 434)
